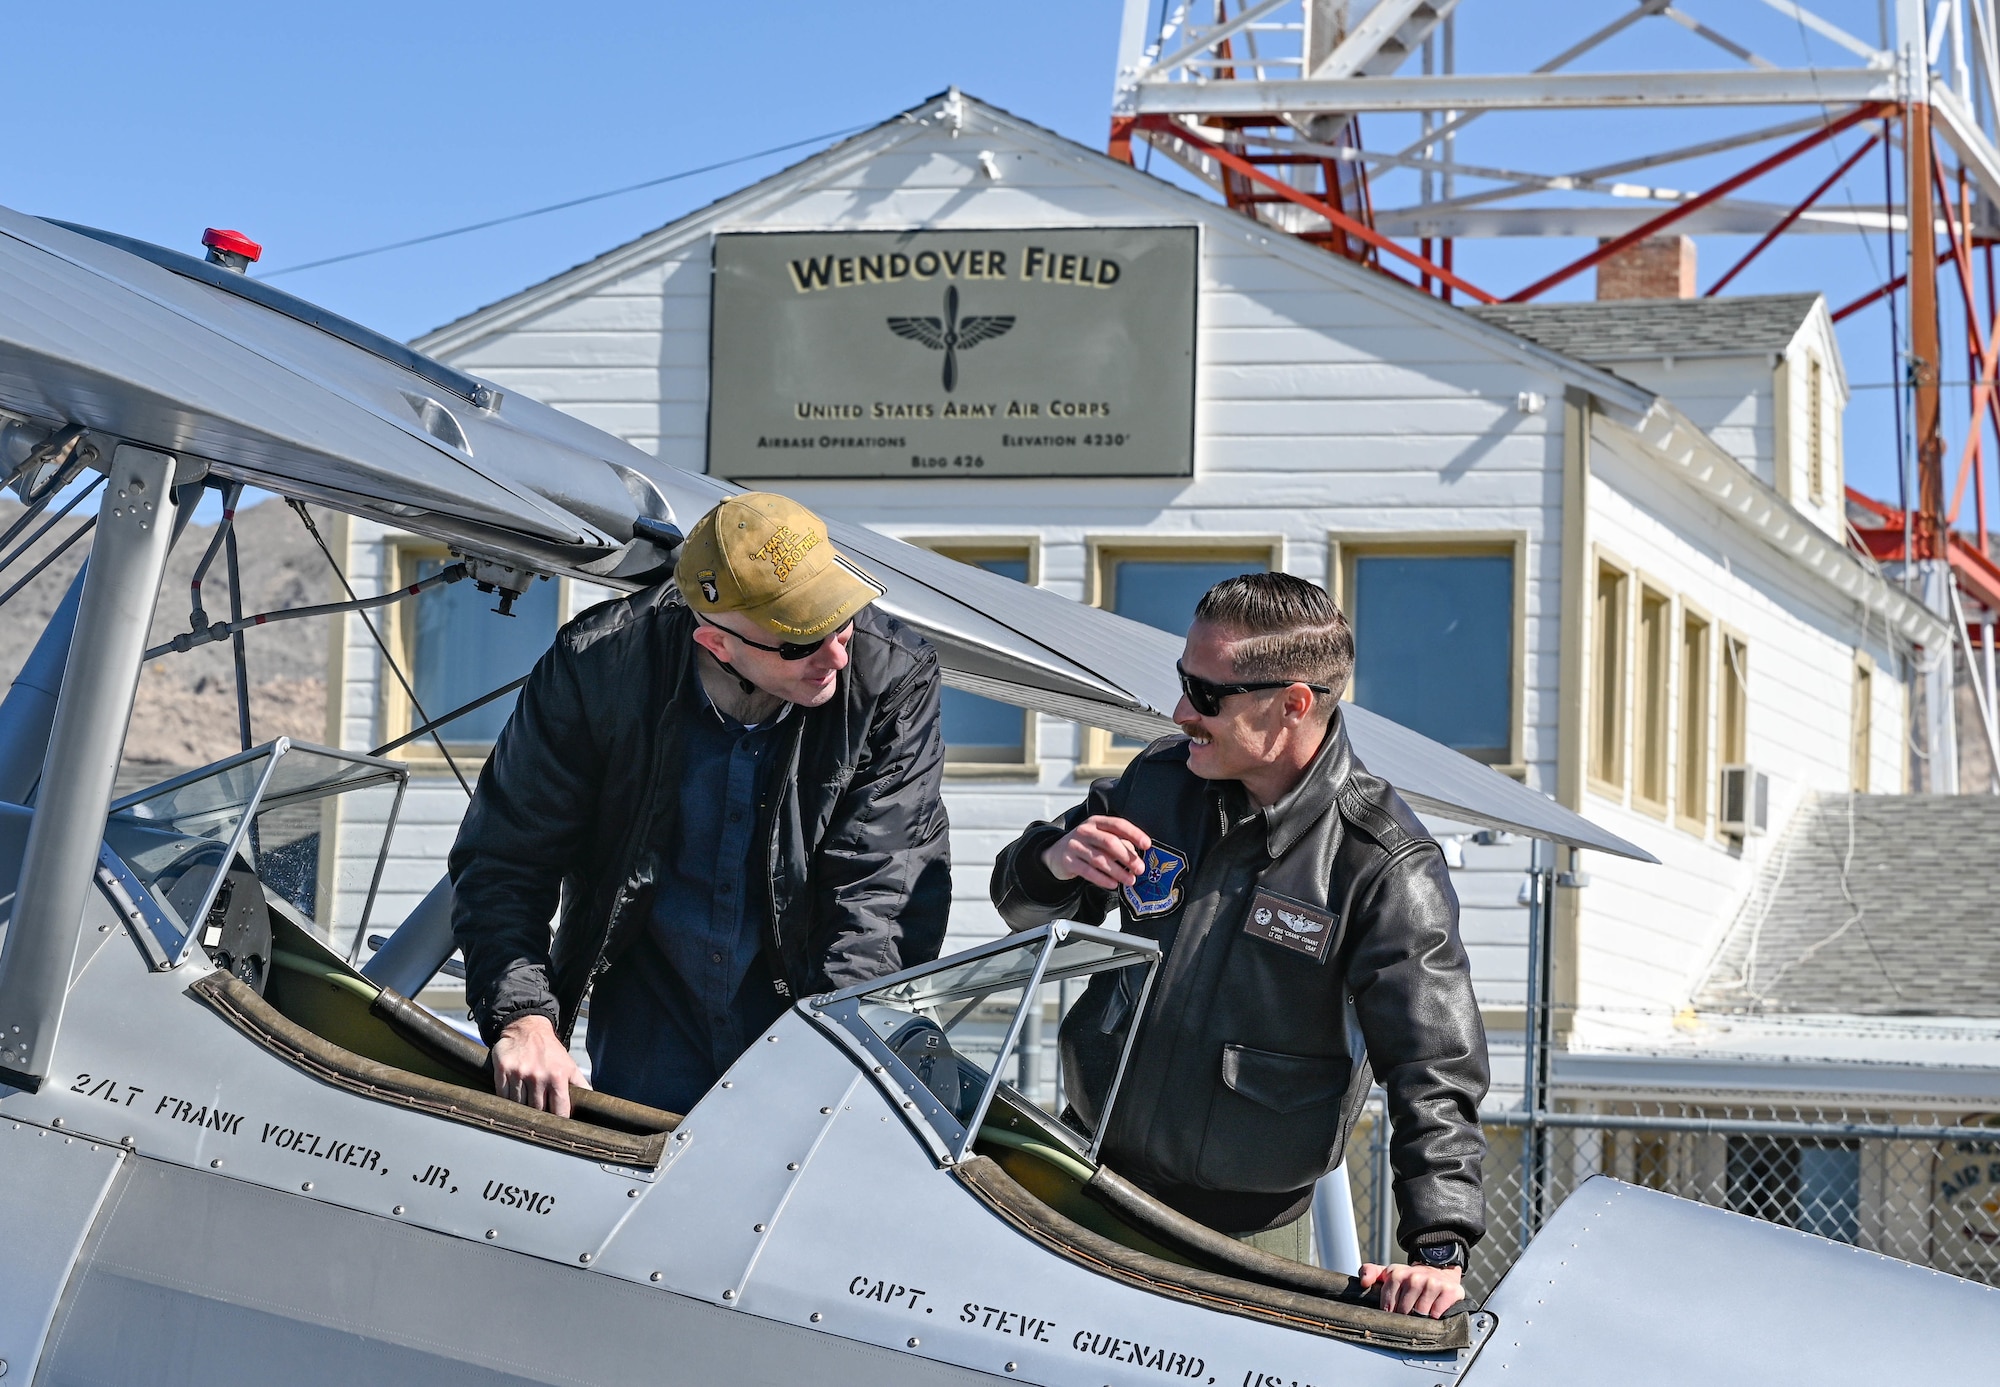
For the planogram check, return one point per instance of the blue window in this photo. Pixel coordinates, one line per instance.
(460, 648)
(985, 731)
(1434, 646)
(1163, 592)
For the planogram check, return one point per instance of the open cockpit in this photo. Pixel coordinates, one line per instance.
(271, 862)
(940, 1042)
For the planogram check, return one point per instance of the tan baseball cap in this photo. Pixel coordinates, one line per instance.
(768, 557)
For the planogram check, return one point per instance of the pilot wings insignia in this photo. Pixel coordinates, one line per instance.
(1299, 924)
(952, 334)
(1290, 923)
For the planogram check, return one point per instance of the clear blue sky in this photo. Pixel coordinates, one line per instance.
(325, 129)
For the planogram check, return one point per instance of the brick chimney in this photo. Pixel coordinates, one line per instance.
(1661, 267)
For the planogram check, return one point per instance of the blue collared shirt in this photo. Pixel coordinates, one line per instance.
(694, 991)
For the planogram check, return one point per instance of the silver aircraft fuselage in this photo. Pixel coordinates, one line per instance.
(227, 1167)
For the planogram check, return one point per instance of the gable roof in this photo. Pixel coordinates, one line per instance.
(1648, 329)
(1870, 905)
(1152, 198)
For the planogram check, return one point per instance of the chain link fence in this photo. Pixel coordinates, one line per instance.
(1923, 1187)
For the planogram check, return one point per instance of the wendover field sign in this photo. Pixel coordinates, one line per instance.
(1006, 353)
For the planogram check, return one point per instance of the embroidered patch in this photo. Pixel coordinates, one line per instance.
(1291, 923)
(708, 589)
(1157, 891)
(785, 548)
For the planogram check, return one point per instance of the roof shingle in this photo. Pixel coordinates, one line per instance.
(1873, 905)
(1644, 329)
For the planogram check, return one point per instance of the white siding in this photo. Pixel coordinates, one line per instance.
(1730, 397)
(1320, 409)
(1647, 933)
(1737, 401)
(432, 807)
(1329, 403)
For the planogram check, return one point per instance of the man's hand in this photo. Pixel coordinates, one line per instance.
(531, 1065)
(1409, 1290)
(1104, 851)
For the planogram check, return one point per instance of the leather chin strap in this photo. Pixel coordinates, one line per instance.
(727, 668)
(748, 687)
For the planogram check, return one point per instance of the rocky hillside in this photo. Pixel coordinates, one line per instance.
(186, 710)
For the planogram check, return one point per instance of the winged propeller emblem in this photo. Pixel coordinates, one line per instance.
(952, 334)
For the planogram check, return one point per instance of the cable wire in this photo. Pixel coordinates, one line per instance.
(225, 630)
(306, 518)
(36, 538)
(446, 719)
(36, 499)
(1852, 921)
(78, 533)
(561, 206)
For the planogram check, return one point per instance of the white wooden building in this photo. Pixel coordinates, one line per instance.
(1600, 549)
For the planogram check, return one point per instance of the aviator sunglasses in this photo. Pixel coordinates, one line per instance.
(787, 650)
(1207, 697)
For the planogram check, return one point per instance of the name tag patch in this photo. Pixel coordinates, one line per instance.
(1293, 924)
(1157, 891)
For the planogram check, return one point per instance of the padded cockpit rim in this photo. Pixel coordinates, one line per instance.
(1178, 1231)
(299, 1047)
(1315, 1314)
(469, 1057)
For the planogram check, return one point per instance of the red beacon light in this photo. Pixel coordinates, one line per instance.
(232, 250)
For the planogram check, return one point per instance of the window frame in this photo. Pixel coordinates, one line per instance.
(1815, 429)
(969, 549)
(1651, 715)
(1097, 756)
(1345, 548)
(1613, 703)
(1861, 726)
(1692, 764)
(1726, 636)
(393, 713)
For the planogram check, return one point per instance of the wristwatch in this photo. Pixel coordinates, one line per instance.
(1445, 1256)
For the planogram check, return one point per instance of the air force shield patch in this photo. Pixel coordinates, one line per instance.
(1157, 891)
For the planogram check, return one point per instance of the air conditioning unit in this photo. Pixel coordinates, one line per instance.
(1746, 801)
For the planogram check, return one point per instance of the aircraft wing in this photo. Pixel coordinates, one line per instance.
(1632, 1286)
(163, 349)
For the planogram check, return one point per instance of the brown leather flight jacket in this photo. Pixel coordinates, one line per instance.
(1304, 945)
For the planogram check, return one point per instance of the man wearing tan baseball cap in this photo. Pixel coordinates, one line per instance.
(760, 568)
(732, 782)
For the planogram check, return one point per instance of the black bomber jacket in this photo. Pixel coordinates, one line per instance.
(582, 784)
(1305, 946)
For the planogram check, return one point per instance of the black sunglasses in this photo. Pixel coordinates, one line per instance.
(787, 650)
(1207, 697)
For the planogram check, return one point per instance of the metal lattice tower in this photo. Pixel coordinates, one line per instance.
(1263, 100)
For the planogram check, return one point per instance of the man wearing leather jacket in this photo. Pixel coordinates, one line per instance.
(732, 786)
(1310, 940)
